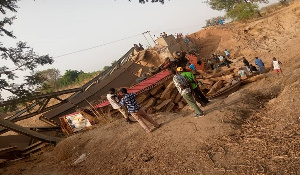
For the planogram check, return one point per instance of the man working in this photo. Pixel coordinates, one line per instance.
(227, 53)
(200, 98)
(276, 66)
(113, 99)
(184, 89)
(260, 64)
(136, 111)
(246, 63)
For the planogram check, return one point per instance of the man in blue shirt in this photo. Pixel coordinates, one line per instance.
(136, 111)
(260, 64)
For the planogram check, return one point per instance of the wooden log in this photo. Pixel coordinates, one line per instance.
(225, 77)
(150, 111)
(181, 105)
(222, 73)
(150, 102)
(207, 81)
(157, 89)
(158, 102)
(217, 86)
(169, 107)
(163, 104)
(205, 86)
(158, 95)
(166, 83)
(142, 97)
(173, 95)
(168, 91)
(252, 79)
(177, 98)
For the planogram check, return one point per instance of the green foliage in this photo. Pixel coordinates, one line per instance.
(221, 4)
(214, 21)
(22, 57)
(228, 5)
(51, 77)
(83, 77)
(74, 77)
(69, 77)
(243, 11)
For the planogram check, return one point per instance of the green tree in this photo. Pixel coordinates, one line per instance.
(69, 77)
(82, 78)
(51, 77)
(105, 67)
(228, 5)
(243, 11)
(22, 56)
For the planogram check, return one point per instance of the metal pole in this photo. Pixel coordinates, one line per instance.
(146, 38)
(151, 37)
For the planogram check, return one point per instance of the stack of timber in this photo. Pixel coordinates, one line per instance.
(223, 79)
(162, 98)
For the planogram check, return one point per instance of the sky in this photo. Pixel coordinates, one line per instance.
(59, 27)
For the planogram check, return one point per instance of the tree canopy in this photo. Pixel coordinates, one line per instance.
(22, 57)
(228, 5)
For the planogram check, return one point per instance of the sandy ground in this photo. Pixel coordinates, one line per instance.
(253, 131)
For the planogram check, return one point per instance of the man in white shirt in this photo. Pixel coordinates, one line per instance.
(221, 58)
(112, 97)
(276, 66)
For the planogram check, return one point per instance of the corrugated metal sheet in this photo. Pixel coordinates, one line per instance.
(143, 86)
(122, 77)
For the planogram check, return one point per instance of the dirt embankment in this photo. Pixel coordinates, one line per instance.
(253, 131)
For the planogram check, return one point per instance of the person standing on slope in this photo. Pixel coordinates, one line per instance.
(261, 65)
(199, 97)
(227, 53)
(246, 63)
(113, 99)
(185, 90)
(276, 66)
(136, 111)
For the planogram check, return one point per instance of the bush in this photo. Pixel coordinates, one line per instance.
(243, 11)
(214, 21)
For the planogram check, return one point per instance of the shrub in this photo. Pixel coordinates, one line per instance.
(243, 11)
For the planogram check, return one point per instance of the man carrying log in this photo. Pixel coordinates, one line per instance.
(136, 111)
(113, 99)
(200, 98)
(184, 88)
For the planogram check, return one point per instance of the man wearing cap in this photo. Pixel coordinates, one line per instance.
(200, 98)
(184, 88)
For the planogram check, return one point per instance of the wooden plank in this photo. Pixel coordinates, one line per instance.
(170, 106)
(163, 104)
(168, 91)
(217, 86)
(177, 98)
(157, 90)
(151, 102)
